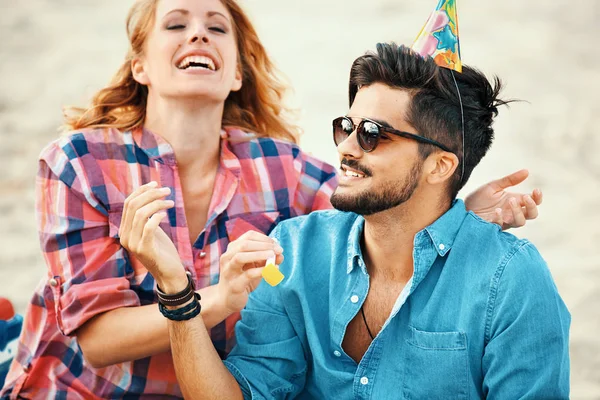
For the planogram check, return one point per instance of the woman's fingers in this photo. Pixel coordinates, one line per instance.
(239, 260)
(510, 180)
(279, 259)
(498, 217)
(531, 210)
(247, 281)
(517, 212)
(248, 242)
(537, 196)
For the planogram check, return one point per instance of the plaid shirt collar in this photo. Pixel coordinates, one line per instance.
(158, 149)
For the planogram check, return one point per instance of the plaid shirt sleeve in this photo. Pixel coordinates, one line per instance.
(317, 181)
(88, 267)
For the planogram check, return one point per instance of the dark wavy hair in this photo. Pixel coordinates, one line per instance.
(435, 106)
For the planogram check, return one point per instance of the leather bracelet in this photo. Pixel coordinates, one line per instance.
(177, 299)
(182, 314)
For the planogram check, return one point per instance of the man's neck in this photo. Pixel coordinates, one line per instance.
(388, 239)
(191, 127)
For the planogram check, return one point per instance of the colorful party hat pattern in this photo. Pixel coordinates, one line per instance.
(439, 37)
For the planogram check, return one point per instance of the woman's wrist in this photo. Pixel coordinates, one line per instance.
(214, 305)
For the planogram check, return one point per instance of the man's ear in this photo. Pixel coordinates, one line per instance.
(138, 71)
(237, 82)
(440, 167)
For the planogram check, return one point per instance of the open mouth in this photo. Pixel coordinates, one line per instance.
(351, 173)
(197, 62)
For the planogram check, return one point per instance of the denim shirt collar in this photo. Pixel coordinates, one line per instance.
(354, 250)
(441, 234)
(443, 231)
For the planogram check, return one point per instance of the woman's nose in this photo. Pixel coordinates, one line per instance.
(199, 34)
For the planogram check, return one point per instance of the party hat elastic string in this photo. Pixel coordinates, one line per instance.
(439, 39)
(462, 117)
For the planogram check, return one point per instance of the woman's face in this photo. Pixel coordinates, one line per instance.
(191, 52)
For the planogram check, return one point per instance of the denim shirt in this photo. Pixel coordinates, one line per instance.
(481, 317)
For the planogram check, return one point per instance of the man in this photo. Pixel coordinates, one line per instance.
(399, 293)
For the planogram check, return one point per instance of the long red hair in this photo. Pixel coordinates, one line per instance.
(257, 107)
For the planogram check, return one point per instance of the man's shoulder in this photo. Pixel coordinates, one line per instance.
(331, 216)
(498, 250)
(318, 226)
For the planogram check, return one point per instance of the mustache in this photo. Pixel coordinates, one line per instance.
(355, 165)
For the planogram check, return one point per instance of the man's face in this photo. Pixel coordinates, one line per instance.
(389, 175)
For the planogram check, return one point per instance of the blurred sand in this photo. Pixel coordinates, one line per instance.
(57, 52)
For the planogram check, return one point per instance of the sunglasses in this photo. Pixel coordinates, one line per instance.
(369, 132)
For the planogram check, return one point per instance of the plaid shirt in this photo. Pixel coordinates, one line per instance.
(82, 183)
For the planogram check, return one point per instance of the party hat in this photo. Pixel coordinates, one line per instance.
(439, 37)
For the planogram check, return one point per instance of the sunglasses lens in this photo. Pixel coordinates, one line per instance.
(342, 128)
(368, 135)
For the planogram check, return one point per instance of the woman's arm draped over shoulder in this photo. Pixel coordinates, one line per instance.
(507, 209)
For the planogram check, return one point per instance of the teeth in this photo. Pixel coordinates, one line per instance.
(205, 61)
(353, 174)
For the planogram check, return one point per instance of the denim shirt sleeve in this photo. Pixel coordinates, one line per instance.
(268, 361)
(527, 331)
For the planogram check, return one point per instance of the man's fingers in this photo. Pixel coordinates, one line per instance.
(148, 197)
(135, 194)
(510, 180)
(142, 215)
(151, 226)
(139, 198)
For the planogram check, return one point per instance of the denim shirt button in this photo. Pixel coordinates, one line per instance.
(354, 299)
(442, 247)
(364, 380)
(337, 353)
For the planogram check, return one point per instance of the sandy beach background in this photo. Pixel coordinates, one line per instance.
(58, 52)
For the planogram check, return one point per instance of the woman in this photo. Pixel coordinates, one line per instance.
(178, 116)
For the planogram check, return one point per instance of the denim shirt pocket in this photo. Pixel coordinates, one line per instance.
(436, 365)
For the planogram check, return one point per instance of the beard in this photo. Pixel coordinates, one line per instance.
(389, 195)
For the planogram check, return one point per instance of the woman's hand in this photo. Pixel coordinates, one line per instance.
(141, 235)
(509, 210)
(241, 268)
